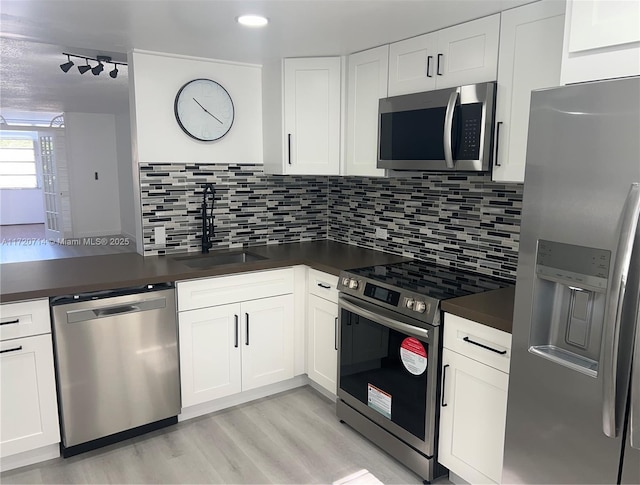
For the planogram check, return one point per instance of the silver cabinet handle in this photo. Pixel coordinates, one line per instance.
(335, 335)
(429, 58)
(448, 128)
(613, 310)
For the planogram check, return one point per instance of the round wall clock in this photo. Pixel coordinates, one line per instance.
(204, 110)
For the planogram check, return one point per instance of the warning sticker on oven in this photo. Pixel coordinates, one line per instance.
(413, 356)
(379, 400)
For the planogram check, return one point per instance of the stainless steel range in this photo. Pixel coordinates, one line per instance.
(389, 355)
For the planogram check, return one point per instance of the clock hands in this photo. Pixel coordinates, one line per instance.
(205, 110)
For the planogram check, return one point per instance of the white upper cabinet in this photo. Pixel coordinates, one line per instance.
(530, 58)
(601, 40)
(312, 116)
(367, 83)
(468, 53)
(412, 65)
(462, 54)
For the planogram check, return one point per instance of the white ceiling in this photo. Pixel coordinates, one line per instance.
(34, 33)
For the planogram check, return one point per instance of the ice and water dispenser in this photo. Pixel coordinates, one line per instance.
(569, 296)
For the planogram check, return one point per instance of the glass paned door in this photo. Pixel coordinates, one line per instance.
(51, 196)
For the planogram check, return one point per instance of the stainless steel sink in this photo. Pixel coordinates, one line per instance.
(218, 259)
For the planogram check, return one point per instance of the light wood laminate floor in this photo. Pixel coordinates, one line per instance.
(292, 437)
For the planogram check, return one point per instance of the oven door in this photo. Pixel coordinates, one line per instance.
(389, 371)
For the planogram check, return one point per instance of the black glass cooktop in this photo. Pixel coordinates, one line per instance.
(430, 280)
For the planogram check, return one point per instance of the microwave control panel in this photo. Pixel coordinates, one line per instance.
(468, 119)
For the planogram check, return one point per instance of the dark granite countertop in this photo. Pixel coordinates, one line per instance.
(492, 308)
(41, 279)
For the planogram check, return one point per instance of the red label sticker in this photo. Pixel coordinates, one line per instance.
(413, 356)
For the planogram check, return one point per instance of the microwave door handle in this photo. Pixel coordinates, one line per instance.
(448, 128)
(613, 310)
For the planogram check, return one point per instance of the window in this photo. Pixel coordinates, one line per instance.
(18, 168)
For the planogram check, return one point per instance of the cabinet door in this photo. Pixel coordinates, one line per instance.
(209, 353)
(412, 65)
(267, 341)
(312, 116)
(367, 83)
(322, 361)
(601, 40)
(28, 403)
(472, 418)
(530, 58)
(468, 53)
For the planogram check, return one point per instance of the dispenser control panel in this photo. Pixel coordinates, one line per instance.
(570, 264)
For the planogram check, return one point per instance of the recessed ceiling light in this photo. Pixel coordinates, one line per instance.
(253, 20)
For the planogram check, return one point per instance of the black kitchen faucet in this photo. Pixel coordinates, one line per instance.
(207, 218)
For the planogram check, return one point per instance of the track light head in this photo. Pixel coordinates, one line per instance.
(100, 67)
(84, 68)
(114, 73)
(97, 69)
(67, 65)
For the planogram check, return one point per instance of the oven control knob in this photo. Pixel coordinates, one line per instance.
(420, 306)
(353, 284)
(345, 281)
(410, 303)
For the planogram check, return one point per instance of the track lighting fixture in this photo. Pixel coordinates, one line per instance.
(67, 65)
(97, 69)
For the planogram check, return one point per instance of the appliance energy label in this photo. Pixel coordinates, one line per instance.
(379, 400)
(413, 356)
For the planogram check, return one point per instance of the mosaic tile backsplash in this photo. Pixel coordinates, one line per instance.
(462, 221)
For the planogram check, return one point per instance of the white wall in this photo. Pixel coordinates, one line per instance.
(158, 77)
(125, 175)
(21, 206)
(91, 148)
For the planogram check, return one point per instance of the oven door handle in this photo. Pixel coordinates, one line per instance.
(358, 309)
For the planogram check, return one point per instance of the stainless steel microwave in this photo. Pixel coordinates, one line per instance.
(444, 130)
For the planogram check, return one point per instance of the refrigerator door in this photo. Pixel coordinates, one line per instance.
(583, 155)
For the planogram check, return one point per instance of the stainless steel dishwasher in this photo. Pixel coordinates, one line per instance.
(117, 369)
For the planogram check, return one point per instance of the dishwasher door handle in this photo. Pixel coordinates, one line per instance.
(85, 315)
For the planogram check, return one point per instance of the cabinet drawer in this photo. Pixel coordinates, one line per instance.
(24, 319)
(323, 285)
(477, 341)
(221, 290)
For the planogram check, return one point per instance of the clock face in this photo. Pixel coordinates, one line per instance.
(204, 110)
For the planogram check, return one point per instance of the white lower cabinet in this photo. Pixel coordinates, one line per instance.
(28, 402)
(322, 328)
(239, 344)
(322, 358)
(473, 406)
(210, 356)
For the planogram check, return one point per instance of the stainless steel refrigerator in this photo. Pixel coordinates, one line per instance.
(573, 413)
